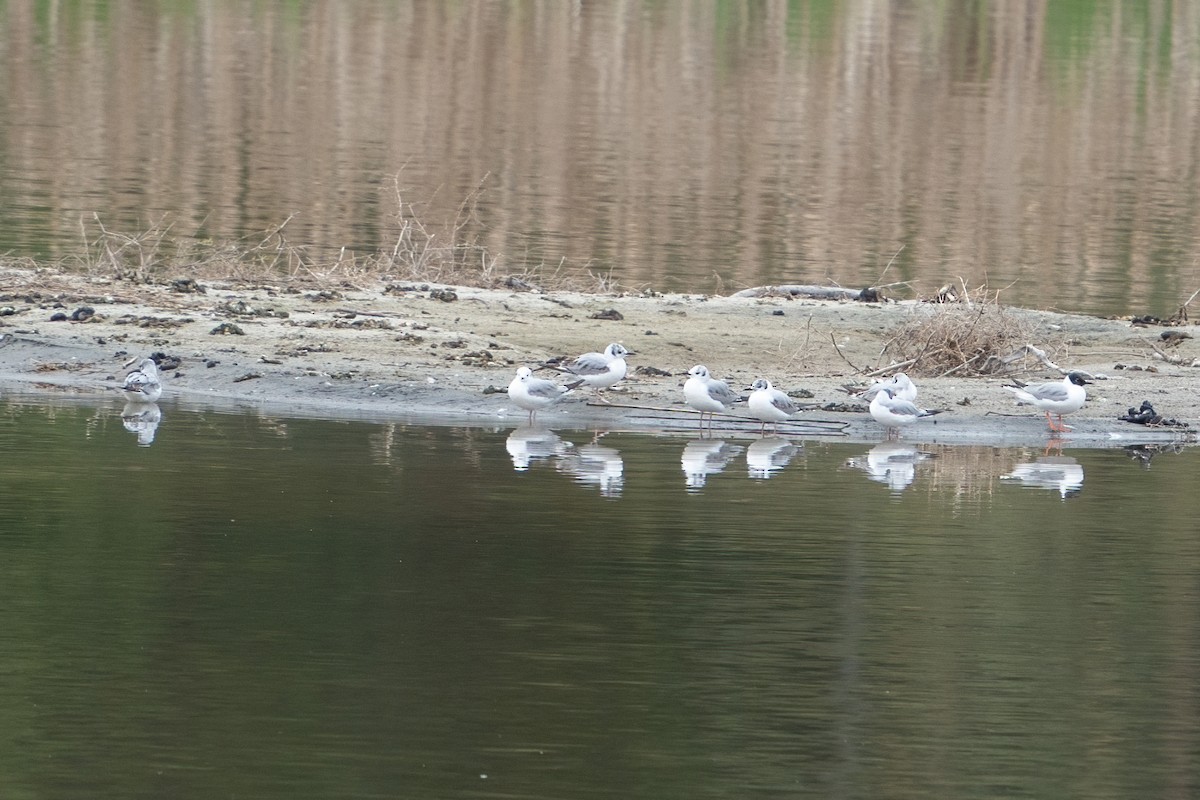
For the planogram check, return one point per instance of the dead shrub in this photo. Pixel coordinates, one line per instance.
(971, 338)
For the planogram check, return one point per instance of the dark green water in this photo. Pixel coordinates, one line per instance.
(270, 608)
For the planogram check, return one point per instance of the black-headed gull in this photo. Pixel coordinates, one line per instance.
(706, 394)
(599, 370)
(893, 413)
(1058, 397)
(769, 405)
(901, 385)
(142, 385)
(534, 394)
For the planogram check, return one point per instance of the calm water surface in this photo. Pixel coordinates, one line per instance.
(1050, 148)
(268, 607)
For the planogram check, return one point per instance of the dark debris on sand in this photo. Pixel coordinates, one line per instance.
(1146, 415)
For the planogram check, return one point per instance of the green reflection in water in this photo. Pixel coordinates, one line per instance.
(283, 608)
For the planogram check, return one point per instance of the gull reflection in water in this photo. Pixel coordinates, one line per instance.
(1061, 473)
(595, 465)
(142, 419)
(890, 463)
(704, 457)
(767, 456)
(529, 443)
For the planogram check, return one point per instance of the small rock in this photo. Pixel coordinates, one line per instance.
(83, 314)
(608, 313)
(249, 376)
(227, 329)
(777, 312)
(445, 295)
(845, 408)
(1146, 415)
(165, 362)
(58, 317)
(211, 363)
(518, 284)
(653, 372)
(187, 286)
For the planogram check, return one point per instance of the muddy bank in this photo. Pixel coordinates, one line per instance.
(444, 354)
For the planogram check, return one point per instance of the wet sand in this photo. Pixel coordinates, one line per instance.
(443, 355)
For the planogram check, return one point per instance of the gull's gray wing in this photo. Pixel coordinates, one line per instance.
(589, 364)
(720, 391)
(1052, 392)
(783, 402)
(906, 408)
(137, 381)
(543, 389)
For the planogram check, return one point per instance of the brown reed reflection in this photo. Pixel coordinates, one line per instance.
(675, 145)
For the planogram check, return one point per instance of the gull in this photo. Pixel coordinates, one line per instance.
(769, 455)
(706, 394)
(1060, 397)
(142, 385)
(893, 413)
(769, 404)
(599, 370)
(901, 385)
(534, 394)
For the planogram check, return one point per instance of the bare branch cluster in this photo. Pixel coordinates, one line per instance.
(973, 336)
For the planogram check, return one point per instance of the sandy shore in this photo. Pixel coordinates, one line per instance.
(438, 354)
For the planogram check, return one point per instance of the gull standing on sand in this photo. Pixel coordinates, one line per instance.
(768, 404)
(534, 394)
(707, 395)
(893, 413)
(142, 385)
(901, 385)
(599, 370)
(1060, 397)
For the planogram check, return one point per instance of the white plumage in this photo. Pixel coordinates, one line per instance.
(1054, 397)
(143, 385)
(534, 394)
(599, 370)
(706, 394)
(769, 405)
(893, 413)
